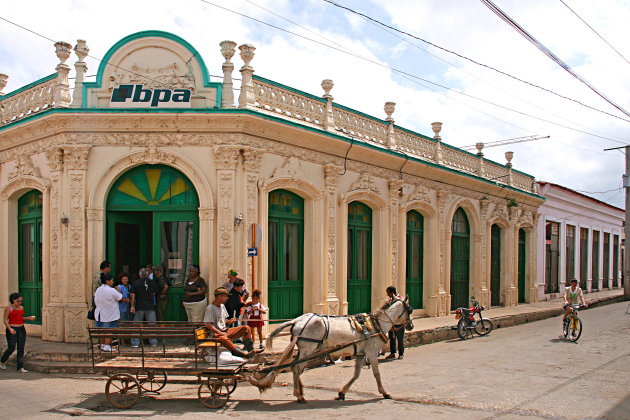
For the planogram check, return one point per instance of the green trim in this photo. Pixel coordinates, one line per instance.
(146, 34)
(275, 119)
(30, 85)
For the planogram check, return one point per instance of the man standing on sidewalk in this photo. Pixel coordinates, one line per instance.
(143, 293)
(162, 282)
(397, 333)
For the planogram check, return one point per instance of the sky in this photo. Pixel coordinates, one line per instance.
(299, 43)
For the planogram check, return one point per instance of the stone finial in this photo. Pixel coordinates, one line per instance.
(436, 127)
(63, 49)
(228, 48)
(479, 147)
(3, 82)
(327, 85)
(80, 67)
(247, 96)
(508, 157)
(62, 88)
(389, 110)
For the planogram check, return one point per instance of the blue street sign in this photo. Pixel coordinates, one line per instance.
(252, 252)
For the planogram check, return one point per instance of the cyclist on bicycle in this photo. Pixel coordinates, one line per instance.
(571, 296)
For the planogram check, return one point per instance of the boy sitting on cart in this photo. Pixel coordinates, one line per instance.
(216, 320)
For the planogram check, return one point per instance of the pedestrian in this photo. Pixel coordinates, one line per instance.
(105, 268)
(235, 304)
(255, 309)
(124, 288)
(107, 313)
(15, 331)
(217, 321)
(143, 302)
(162, 282)
(195, 301)
(228, 285)
(397, 333)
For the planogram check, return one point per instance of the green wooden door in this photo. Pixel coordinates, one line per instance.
(415, 256)
(521, 265)
(359, 258)
(460, 260)
(30, 254)
(286, 255)
(495, 264)
(156, 208)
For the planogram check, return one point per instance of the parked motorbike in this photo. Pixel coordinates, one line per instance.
(470, 319)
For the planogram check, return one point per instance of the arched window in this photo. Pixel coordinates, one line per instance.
(415, 256)
(359, 258)
(30, 250)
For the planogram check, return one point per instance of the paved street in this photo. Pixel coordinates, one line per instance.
(520, 372)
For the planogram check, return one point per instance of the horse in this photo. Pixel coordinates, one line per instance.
(315, 333)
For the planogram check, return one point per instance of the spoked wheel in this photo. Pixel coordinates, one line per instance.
(575, 329)
(462, 330)
(231, 384)
(214, 393)
(565, 327)
(152, 381)
(484, 327)
(122, 390)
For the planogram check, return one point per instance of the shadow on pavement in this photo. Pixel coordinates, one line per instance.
(620, 411)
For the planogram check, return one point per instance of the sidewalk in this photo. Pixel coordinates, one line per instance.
(53, 357)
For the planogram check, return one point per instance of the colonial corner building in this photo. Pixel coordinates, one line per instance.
(154, 163)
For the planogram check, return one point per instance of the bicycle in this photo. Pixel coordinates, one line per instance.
(572, 325)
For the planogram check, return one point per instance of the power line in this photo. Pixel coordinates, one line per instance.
(473, 61)
(596, 33)
(547, 52)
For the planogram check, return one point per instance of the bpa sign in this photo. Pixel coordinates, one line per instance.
(133, 96)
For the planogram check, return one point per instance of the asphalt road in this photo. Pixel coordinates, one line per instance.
(527, 371)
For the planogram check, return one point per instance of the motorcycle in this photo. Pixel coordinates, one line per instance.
(470, 319)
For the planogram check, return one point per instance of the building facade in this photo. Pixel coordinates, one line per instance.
(579, 237)
(154, 163)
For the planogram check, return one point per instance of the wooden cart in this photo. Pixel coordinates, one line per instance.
(132, 371)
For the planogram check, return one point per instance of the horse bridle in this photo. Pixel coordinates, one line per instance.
(405, 308)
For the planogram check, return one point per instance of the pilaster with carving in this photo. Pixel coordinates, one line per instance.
(331, 177)
(76, 285)
(394, 199)
(485, 280)
(226, 160)
(251, 163)
(442, 297)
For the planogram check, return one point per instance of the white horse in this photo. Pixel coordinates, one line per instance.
(317, 333)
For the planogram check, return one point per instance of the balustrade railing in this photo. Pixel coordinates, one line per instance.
(34, 98)
(281, 100)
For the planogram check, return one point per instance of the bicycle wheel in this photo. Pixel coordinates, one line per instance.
(565, 328)
(484, 327)
(575, 330)
(462, 329)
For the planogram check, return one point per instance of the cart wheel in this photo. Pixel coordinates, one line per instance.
(122, 390)
(231, 384)
(152, 380)
(214, 393)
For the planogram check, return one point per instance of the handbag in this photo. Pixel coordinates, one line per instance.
(90, 313)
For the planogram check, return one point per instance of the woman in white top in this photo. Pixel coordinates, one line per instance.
(107, 314)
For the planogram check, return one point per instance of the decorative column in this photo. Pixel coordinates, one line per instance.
(226, 158)
(251, 164)
(443, 297)
(394, 198)
(437, 127)
(485, 261)
(77, 284)
(207, 262)
(53, 310)
(228, 48)
(3, 82)
(510, 297)
(481, 171)
(391, 138)
(508, 157)
(247, 97)
(329, 117)
(331, 174)
(81, 50)
(62, 89)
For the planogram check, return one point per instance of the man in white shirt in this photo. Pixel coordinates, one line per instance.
(217, 321)
(571, 296)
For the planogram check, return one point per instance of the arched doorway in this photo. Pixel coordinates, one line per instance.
(286, 255)
(415, 255)
(153, 218)
(460, 260)
(30, 250)
(359, 258)
(522, 258)
(495, 264)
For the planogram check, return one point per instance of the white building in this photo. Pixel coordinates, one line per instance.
(579, 237)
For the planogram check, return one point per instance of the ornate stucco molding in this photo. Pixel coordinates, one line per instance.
(331, 177)
(55, 159)
(252, 159)
(23, 166)
(76, 157)
(365, 182)
(206, 213)
(226, 157)
(152, 155)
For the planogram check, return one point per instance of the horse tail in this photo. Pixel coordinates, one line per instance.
(276, 332)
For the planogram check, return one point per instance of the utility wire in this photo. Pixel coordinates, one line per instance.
(547, 52)
(473, 61)
(595, 32)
